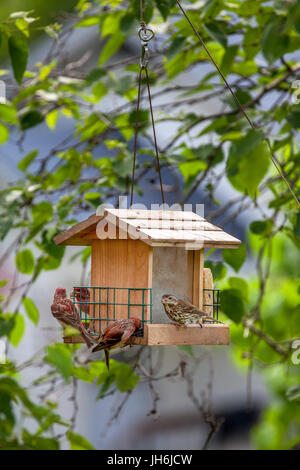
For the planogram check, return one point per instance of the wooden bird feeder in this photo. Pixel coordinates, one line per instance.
(151, 253)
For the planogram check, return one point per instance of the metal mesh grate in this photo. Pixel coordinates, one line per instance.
(105, 304)
(215, 302)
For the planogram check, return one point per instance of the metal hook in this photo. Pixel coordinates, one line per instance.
(145, 56)
(145, 34)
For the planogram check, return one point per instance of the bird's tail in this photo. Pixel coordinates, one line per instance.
(107, 358)
(90, 341)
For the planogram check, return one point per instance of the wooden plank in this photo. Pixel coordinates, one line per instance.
(196, 225)
(126, 264)
(172, 235)
(198, 278)
(208, 297)
(79, 340)
(170, 334)
(153, 214)
(220, 237)
(190, 245)
(81, 229)
(207, 237)
(196, 228)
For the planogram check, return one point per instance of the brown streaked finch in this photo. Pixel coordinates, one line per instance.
(67, 314)
(83, 297)
(117, 335)
(183, 312)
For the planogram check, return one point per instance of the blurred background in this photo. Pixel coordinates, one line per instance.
(178, 424)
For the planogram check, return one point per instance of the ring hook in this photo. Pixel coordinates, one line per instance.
(145, 34)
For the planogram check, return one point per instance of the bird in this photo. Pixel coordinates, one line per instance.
(67, 314)
(82, 297)
(117, 335)
(183, 312)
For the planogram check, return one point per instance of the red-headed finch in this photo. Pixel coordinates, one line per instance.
(67, 314)
(83, 298)
(183, 312)
(117, 335)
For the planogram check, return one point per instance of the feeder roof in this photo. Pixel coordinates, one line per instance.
(154, 227)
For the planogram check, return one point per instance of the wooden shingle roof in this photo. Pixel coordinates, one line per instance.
(154, 227)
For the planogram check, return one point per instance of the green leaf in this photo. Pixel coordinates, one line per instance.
(228, 59)
(51, 119)
(120, 375)
(61, 358)
(99, 90)
(211, 8)
(248, 162)
(78, 442)
(218, 269)
(18, 330)
(176, 45)
(31, 119)
(293, 117)
(25, 261)
(261, 227)
(18, 51)
(147, 9)
(49, 246)
(164, 7)
(297, 226)
(36, 442)
(26, 161)
(111, 47)
(241, 285)
(274, 43)
(88, 21)
(216, 31)
(235, 258)
(7, 323)
(8, 113)
(232, 304)
(31, 310)
(42, 212)
(4, 133)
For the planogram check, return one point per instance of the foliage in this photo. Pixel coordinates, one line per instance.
(253, 43)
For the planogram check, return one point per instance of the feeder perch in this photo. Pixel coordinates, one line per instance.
(151, 253)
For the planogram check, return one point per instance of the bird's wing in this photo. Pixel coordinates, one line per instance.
(110, 337)
(129, 331)
(187, 307)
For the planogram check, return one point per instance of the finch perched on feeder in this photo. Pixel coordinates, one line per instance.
(67, 314)
(117, 335)
(183, 312)
(83, 297)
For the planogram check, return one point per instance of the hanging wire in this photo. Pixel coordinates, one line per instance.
(241, 107)
(154, 136)
(145, 35)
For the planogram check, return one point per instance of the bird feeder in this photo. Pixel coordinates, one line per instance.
(139, 255)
